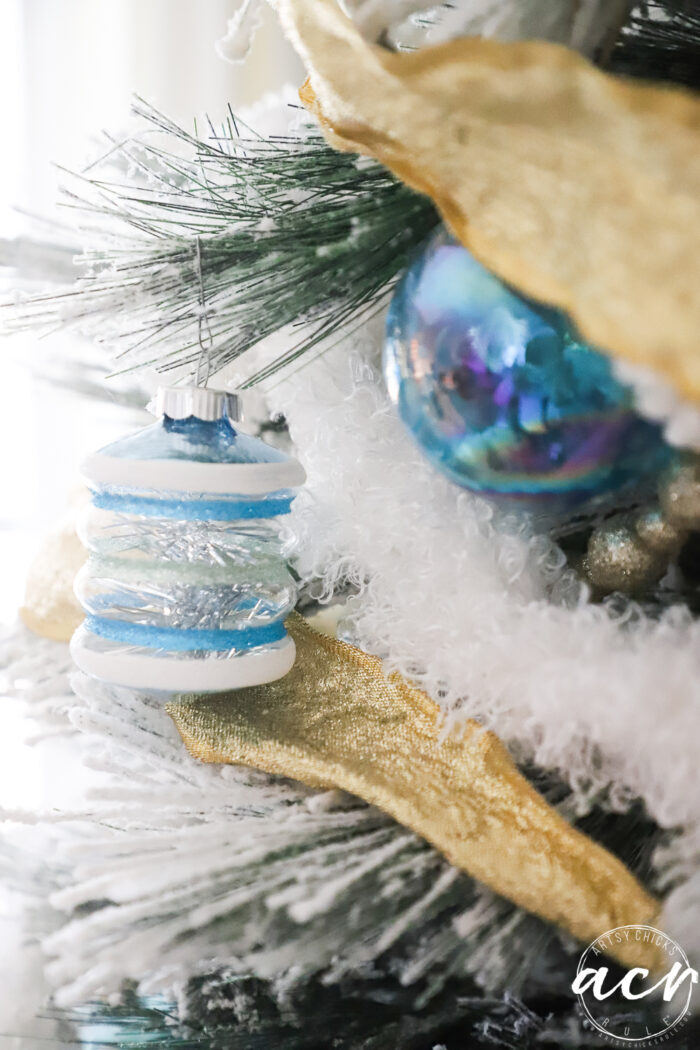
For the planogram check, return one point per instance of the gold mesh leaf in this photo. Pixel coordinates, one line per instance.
(578, 188)
(337, 721)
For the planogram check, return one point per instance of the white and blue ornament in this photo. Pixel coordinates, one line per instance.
(503, 396)
(186, 587)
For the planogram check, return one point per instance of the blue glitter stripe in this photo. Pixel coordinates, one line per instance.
(185, 640)
(192, 509)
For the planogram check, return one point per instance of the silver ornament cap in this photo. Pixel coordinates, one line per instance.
(182, 402)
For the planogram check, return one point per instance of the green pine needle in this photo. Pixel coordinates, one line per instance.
(247, 235)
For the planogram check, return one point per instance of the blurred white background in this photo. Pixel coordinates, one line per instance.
(68, 69)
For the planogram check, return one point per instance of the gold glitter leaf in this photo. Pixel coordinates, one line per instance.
(50, 607)
(337, 721)
(578, 188)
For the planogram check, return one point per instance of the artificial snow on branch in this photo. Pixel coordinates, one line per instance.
(207, 255)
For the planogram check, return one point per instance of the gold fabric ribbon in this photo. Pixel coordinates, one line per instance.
(337, 721)
(578, 188)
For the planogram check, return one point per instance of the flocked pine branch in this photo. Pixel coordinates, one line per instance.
(197, 259)
(175, 869)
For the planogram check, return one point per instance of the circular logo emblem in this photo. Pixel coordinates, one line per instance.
(635, 1008)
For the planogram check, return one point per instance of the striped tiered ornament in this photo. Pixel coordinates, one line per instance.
(186, 587)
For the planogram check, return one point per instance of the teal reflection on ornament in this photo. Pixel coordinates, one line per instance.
(501, 393)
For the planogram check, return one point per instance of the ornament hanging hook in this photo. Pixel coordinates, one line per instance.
(204, 359)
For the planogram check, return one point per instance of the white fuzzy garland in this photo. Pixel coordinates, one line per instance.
(485, 616)
(656, 399)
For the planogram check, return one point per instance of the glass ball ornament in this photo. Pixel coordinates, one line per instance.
(502, 394)
(186, 588)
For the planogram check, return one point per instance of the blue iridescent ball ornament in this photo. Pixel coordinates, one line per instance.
(503, 396)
